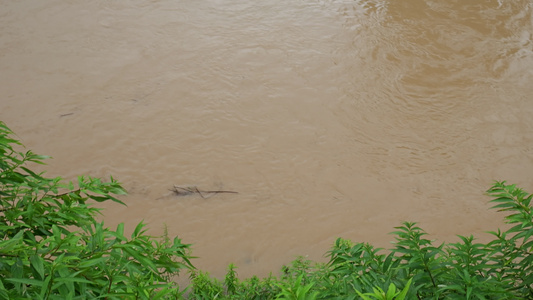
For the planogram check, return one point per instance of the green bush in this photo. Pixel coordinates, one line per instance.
(51, 247)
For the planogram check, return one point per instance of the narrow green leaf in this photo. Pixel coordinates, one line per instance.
(403, 293)
(11, 244)
(37, 264)
(26, 281)
(72, 279)
(391, 292)
(92, 261)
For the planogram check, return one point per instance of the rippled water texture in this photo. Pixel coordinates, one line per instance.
(330, 118)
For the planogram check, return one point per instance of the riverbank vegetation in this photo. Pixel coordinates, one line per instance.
(52, 247)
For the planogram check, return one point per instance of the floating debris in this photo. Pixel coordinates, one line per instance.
(190, 190)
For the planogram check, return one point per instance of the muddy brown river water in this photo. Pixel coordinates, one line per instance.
(329, 118)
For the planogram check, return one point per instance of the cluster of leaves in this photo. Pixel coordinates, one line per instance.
(500, 269)
(302, 280)
(204, 286)
(52, 247)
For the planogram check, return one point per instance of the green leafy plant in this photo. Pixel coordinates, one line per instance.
(52, 247)
(511, 257)
(259, 289)
(205, 287)
(391, 294)
(420, 259)
(296, 290)
(231, 280)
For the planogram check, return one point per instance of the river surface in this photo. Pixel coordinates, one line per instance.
(329, 118)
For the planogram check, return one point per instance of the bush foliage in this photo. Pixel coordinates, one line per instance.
(52, 247)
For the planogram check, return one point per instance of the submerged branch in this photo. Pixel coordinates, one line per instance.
(184, 191)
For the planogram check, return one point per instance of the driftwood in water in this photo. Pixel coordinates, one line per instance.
(184, 191)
